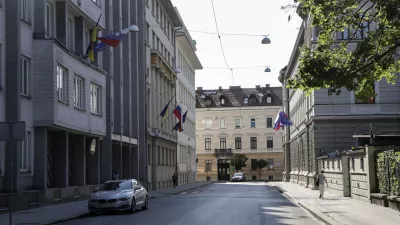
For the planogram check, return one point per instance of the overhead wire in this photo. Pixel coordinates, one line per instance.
(220, 41)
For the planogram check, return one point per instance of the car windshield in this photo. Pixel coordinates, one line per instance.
(238, 174)
(116, 186)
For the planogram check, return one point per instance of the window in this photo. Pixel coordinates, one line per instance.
(78, 92)
(270, 163)
(86, 40)
(208, 101)
(222, 101)
(361, 33)
(62, 87)
(237, 123)
(26, 151)
(95, 99)
(269, 122)
(246, 100)
(165, 24)
(253, 143)
(222, 143)
(70, 34)
(25, 76)
(253, 100)
(208, 165)
(222, 124)
(154, 40)
(1, 6)
(208, 144)
(361, 101)
(269, 100)
(238, 143)
(49, 20)
(253, 164)
(147, 33)
(253, 122)
(157, 11)
(270, 142)
(208, 124)
(25, 10)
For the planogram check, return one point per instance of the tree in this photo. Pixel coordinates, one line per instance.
(373, 24)
(261, 164)
(238, 161)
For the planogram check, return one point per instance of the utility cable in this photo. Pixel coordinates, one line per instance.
(220, 41)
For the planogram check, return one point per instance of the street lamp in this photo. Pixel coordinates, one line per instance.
(266, 41)
(133, 28)
(267, 70)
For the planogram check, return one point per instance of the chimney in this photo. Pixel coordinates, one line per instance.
(199, 89)
(258, 86)
(267, 85)
(234, 87)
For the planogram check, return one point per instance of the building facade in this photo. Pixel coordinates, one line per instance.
(84, 119)
(325, 124)
(162, 23)
(238, 121)
(187, 63)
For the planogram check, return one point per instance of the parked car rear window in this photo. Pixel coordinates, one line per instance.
(238, 174)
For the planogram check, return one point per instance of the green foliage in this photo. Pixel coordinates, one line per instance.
(238, 161)
(261, 163)
(386, 177)
(331, 64)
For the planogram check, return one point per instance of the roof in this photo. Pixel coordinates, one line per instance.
(170, 11)
(236, 96)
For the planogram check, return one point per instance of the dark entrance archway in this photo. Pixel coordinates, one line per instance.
(223, 169)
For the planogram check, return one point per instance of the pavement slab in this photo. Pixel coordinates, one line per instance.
(338, 210)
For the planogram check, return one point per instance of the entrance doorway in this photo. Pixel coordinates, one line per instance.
(223, 169)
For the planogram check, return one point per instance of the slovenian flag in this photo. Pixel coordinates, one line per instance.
(178, 112)
(114, 39)
(282, 120)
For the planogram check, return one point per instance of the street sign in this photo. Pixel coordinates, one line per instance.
(12, 131)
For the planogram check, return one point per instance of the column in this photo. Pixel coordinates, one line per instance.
(159, 100)
(12, 63)
(77, 143)
(162, 94)
(40, 159)
(60, 143)
(61, 21)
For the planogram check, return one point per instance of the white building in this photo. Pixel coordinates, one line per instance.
(187, 62)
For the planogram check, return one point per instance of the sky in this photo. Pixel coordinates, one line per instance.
(255, 17)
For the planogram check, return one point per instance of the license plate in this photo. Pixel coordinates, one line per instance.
(108, 205)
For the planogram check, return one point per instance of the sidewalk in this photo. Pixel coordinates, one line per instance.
(337, 210)
(64, 212)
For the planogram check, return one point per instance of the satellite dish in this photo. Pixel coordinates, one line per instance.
(93, 147)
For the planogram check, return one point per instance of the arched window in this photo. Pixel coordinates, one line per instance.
(268, 98)
(252, 100)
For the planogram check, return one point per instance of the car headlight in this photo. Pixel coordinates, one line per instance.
(125, 198)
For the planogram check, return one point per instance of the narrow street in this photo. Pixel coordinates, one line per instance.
(219, 203)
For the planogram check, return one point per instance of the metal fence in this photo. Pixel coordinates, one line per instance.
(387, 161)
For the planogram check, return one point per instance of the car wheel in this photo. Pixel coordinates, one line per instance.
(133, 206)
(92, 214)
(146, 204)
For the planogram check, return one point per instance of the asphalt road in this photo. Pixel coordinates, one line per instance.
(216, 204)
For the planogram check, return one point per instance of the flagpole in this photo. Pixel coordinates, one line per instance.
(166, 105)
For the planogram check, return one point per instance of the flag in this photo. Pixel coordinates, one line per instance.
(178, 126)
(282, 120)
(163, 113)
(178, 112)
(184, 116)
(114, 39)
(93, 42)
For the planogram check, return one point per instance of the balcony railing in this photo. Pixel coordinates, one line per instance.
(223, 152)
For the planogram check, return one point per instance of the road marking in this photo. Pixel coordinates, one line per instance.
(183, 193)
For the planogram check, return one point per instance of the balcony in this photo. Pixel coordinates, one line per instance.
(158, 62)
(52, 110)
(223, 152)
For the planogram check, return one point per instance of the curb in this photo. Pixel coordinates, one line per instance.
(67, 219)
(318, 215)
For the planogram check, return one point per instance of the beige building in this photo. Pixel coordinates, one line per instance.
(238, 121)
